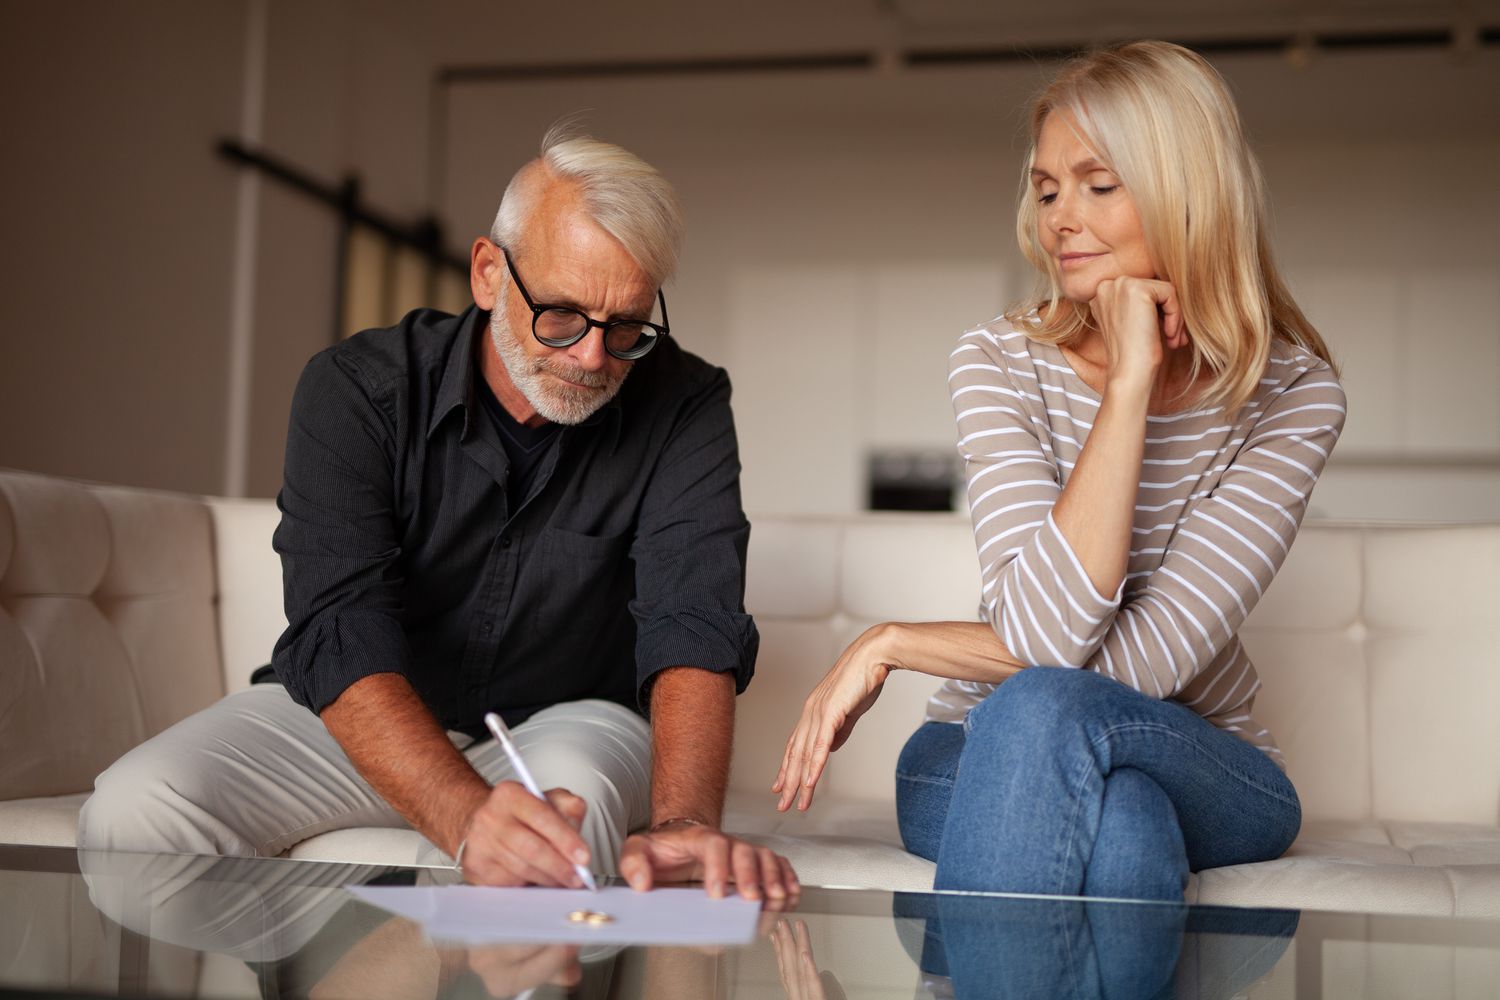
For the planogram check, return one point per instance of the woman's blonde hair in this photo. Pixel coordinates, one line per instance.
(1163, 121)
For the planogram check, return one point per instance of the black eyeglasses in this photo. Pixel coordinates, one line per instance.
(564, 326)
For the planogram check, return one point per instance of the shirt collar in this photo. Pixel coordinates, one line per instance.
(458, 374)
(457, 385)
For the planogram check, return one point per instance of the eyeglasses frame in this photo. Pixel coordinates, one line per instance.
(661, 329)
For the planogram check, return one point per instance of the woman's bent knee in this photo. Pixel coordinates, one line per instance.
(1138, 851)
(1038, 705)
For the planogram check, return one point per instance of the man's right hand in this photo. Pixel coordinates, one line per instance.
(514, 838)
(510, 836)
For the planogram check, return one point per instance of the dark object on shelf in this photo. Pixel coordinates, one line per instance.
(911, 479)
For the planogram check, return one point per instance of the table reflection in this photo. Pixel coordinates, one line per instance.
(971, 947)
(294, 925)
(303, 936)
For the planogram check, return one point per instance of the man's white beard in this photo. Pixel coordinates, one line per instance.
(561, 404)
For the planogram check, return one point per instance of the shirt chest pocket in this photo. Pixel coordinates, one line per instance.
(588, 579)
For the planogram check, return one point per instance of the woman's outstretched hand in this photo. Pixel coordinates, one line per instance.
(828, 717)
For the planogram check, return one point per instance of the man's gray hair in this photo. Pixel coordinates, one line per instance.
(622, 193)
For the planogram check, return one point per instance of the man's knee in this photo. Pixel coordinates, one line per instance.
(153, 801)
(599, 752)
(580, 771)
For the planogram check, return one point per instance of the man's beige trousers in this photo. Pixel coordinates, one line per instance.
(256, 773)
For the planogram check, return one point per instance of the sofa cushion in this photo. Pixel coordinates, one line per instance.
(50, 821)
(1435, 672)
(368, 845)
(107, 626)
(1429, 869)
(846, 862)
(910, 567)
(800, 561)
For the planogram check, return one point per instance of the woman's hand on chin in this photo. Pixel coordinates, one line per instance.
(1139, 319)
(829, 714)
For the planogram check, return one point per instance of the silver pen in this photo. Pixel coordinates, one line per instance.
(508, 744)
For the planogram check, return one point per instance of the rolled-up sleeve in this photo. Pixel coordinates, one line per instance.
(689, 549)
(337, 538)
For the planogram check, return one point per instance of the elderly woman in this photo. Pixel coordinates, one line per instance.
(1140, 443)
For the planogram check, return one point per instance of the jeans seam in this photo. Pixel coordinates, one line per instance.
(1068, 831)
(925, 779)
(1157, 727)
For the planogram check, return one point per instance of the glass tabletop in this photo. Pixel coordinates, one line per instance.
(101, 924)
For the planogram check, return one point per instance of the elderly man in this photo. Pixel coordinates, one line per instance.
(531, 508)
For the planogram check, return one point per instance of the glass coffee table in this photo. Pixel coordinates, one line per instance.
(96, 924)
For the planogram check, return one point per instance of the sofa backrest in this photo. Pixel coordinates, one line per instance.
(1380, 666)
(107, 626)
(1377, 649)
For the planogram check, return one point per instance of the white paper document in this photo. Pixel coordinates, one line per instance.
(472, 914)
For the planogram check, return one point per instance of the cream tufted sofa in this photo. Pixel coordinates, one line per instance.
(124, 610)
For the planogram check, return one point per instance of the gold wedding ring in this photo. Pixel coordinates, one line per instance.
(593, 918)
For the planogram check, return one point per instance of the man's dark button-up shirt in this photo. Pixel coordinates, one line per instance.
(401, 553)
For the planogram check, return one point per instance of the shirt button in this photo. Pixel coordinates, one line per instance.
(505, 541)
(487, 627)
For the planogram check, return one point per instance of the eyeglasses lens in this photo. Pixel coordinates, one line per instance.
(626, 339)
(565, 327)
(562, 326)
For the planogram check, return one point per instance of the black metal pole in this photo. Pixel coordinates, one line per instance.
(333, 196)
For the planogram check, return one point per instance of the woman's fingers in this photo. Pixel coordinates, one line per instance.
(786, 777)
(791, 779)
(822, 747)
(827, 716)
(795, 764)
(1139, 318)
(1172, 327)
(804, 770)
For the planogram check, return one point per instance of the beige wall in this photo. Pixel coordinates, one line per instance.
(345, 92)
(844, 227)
(115, 358)
(115, 256)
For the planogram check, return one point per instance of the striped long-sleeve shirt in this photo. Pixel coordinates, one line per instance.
(1221, 497)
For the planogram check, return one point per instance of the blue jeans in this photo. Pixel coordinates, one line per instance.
(1065, 782)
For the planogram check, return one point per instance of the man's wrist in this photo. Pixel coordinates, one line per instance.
(679, 822)
(469, 800)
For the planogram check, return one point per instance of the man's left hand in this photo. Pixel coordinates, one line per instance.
(692, 852)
